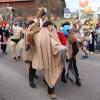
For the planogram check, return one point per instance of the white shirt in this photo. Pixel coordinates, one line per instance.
(17, 31)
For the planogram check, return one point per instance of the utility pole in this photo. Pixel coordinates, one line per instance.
(79, 10)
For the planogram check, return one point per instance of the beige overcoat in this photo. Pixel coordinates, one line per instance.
(47, 55)
(27, 53)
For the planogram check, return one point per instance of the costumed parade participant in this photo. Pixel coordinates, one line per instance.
(28, 52)
(88, 43)
(4, 35)
(85, 39)
(72, 38)
(36, 25)
(17, 33)
(92, 41)
(64, 41)
(97, 35)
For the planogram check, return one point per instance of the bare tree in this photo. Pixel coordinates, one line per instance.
(54, 7)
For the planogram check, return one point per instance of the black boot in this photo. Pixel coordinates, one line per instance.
(63, 77)
(51, 93)
(14, 58)
(4, 52)
(31, 78)
(3, 48)
(19, 57)
(33, 71)
(78, 82)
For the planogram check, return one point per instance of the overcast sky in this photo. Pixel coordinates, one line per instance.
(74, 4)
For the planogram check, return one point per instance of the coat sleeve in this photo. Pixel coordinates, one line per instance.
(7, 34)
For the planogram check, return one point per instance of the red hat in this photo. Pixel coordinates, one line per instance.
(4, 23)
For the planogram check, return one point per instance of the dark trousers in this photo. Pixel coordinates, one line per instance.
(3, 47)
(73, 66)
(91, 47)
(63, 76)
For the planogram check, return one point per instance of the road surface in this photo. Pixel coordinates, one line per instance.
(14, 81)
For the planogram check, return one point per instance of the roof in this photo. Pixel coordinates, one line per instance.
(3, 1)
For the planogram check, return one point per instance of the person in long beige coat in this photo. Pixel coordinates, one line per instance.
(47, 54)
(33, 26)
(27, 54)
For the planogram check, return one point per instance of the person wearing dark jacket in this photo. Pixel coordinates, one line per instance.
(92, 42)
(4, 34)
(72, 40)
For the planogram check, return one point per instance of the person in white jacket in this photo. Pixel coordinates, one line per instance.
(17, 34)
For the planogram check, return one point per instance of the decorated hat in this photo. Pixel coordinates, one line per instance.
(66, 30)
(41, 12)
(4, 23)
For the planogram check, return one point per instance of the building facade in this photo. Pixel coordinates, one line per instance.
(21, 7)
(29, 7)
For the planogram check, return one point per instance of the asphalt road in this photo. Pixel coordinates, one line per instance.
(14, 81)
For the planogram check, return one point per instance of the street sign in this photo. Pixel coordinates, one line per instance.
(67, 13)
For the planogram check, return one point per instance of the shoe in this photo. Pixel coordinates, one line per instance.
(19, 57)
(52, 96)
(63, 76)
(63, 80)
(32, 85)
(78, 83)
(4, 52)
(84, 57)
(92, 52)
(51, 93)
(14, 58)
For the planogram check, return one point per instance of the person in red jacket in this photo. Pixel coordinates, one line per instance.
(72, 62)
(63, 41)
(74, 41)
